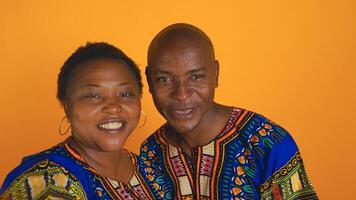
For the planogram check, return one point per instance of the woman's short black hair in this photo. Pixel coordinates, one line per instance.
(89, 52)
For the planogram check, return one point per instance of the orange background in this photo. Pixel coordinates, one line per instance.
(292, 61)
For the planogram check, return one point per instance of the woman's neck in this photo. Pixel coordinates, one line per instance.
(113, 165)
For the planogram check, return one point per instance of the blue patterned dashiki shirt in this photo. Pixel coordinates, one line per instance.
(61, 172)
(252, 158)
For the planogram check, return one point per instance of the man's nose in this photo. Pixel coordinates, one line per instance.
(182, 90)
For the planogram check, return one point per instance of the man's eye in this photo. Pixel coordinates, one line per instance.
(197, 76)
(125, 94)
(163, 79)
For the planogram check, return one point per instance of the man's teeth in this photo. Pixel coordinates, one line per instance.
(111, 125)
(186, 111)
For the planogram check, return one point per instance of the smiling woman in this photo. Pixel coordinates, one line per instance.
(102, 110)
(100, 90)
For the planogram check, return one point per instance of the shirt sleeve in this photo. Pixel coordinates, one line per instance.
(44, 180)
(283, 175)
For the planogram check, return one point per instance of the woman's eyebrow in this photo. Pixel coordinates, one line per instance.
(98, 85)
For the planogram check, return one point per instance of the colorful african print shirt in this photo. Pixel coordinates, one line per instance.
(252, 158)
(60, 173)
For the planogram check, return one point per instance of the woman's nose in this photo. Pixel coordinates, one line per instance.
(111, 107)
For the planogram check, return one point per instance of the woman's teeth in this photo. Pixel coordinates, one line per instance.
(111, 125)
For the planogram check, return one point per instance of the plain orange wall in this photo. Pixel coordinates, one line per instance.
(293, 61)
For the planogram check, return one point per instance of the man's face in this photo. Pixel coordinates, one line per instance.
(182, 79)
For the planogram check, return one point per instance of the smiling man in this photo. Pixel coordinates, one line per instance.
(207, 150)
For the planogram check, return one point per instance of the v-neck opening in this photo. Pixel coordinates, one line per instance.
(190, 169)
(229, 124)
(75, 154)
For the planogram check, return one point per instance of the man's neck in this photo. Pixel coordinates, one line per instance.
(209, 127)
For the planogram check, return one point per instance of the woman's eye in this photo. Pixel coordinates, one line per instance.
(92, 96)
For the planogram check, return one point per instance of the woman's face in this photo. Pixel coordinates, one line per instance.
(103, 105)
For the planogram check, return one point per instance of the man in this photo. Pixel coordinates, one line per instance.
(207, 150)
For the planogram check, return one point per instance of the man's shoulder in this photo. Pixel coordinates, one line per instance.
(251, 113)
(153, 143)
(155, 137)
(257, 130)
(253, 120)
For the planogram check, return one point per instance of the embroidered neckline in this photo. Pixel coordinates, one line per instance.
(85, 164)
(230, 123)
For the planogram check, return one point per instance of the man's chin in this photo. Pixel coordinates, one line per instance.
(183, 127)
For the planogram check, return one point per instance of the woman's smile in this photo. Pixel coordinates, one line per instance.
(112, 126)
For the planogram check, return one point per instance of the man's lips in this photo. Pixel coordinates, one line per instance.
(182, 113)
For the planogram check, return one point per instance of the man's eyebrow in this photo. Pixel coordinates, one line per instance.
(196, 70)
(162, 71)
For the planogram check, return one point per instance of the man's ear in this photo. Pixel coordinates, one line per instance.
(216, 63)
(147, 73)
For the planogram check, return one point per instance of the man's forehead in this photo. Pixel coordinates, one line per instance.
(177, 34)
(180, 41)
(180, 51)
(181, 55)
(180, 64)
(183, 70)
(181, 45)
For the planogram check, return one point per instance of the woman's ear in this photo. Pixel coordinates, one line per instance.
(66, 108)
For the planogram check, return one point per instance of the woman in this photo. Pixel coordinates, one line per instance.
(99, 88)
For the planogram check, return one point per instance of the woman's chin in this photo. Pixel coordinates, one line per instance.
(112, 147)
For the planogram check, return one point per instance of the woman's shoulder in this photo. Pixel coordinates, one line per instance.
(45, 178)
(29, 160)
(45, 174)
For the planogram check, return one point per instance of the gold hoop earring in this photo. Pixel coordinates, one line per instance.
(60, 126)
(144, 122)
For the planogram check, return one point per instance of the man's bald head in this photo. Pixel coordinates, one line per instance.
(179, 35)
